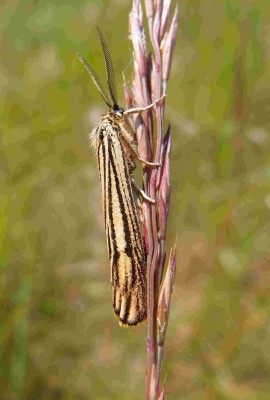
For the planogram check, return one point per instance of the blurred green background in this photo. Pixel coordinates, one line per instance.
(58, 336)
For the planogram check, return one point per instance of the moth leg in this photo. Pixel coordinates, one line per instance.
(141, 109)
(150, 164)
(141, 192)
(128, 139)
(139, 206)
(130, 143)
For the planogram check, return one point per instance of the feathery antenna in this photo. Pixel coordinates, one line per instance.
(94, 79)
(109, 68)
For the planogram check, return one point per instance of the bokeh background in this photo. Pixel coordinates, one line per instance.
(58, 336)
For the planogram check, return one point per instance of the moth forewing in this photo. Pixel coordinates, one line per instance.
(124, 239)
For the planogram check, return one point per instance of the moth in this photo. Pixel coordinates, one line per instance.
(116, 150)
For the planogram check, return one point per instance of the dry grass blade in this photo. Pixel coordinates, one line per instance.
(151, 73)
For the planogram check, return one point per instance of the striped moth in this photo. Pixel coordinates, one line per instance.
(116, 149)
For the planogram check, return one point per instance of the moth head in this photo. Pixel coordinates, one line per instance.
(117, 112)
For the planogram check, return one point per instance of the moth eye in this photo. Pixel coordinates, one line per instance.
(119, 113)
